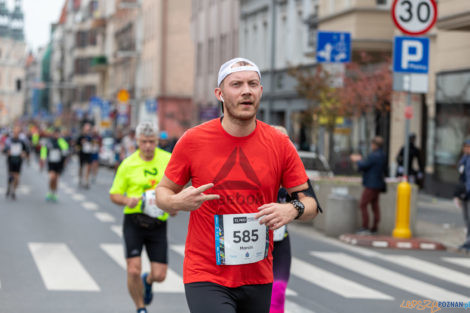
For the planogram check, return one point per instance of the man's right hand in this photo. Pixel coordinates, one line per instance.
(133, 201)
(190, 199)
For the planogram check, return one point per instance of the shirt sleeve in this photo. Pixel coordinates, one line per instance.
(120, 182)
(178, 169)
(294, 173)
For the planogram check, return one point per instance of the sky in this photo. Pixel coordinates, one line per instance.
(39, 14)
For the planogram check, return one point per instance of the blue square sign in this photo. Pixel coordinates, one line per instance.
(334, 47)
(411, 54)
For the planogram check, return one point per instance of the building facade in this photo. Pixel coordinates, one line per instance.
(448, 96)
(214, 31)
(12, 60)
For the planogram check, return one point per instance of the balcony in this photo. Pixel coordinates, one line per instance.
(99, 63)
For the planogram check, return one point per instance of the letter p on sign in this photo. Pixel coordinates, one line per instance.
(411, 54)
(412, 51)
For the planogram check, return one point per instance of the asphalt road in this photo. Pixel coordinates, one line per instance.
(68, 257)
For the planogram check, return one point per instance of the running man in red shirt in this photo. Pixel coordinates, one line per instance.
(240, 162)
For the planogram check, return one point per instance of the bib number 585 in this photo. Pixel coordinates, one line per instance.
(245, 236)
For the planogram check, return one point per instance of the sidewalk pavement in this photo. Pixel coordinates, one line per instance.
(439, 226)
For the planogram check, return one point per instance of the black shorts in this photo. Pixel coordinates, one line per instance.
(55, 167)
(140, 230)
(85, 158)
(206, 297)
(14, 165)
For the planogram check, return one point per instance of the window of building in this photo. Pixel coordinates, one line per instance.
(381, 2)
(81, 39)
(92, 37)
(82, 66)
(125, 38)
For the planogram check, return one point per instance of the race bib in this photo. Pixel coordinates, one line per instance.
(279, 233)
(240, 239)
(87, 147)
(15, 149)
(55, 156)
(149, 205)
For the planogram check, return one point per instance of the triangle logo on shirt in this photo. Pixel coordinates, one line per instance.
(252, 182)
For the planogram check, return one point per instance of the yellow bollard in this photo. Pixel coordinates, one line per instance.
(402, 219)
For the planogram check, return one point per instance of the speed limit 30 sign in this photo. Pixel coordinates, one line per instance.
(414, 17)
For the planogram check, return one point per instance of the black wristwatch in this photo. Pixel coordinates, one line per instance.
(299, 206)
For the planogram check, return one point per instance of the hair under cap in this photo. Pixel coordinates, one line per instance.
(227, 68)
(147, 129)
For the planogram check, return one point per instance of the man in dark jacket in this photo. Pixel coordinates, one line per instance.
(373, 180)
(414, 176)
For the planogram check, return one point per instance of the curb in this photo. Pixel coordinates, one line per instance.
(387, 242)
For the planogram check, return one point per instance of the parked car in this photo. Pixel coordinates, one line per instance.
(316, 165)
(107, 157)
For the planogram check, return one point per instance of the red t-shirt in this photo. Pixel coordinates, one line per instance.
(246, 172)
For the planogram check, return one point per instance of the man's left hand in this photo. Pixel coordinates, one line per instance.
(276, 215)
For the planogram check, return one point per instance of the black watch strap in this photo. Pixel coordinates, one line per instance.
(299, 206)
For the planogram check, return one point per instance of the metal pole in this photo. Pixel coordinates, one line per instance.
(407, 81)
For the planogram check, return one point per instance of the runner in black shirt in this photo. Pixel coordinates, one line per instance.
(16, 150)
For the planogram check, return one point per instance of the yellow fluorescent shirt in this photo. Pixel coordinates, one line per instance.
(135, 176)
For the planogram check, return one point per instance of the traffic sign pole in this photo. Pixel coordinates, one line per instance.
(412, 17)
(407, 129)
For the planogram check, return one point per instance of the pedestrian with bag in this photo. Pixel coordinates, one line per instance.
(373, 170)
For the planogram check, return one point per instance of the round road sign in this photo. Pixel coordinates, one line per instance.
(414, 17)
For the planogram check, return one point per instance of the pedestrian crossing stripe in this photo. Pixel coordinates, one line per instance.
(430, 269)
(105, 217)
(91, 206)
(389, 277)
(78, 197)
(57, 264)
(117, 229)
(464, 262)
(60, 269)
(173, 282)
(333, 282)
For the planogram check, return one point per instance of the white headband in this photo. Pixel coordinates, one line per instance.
(227, 69)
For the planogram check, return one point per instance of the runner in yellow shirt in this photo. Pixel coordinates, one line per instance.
(144, 223)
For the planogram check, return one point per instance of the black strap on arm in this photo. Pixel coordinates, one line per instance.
(309, 192)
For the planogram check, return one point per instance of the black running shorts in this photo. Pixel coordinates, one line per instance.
(206, 297)
(85, 158)
(153, 236)
(55, 167)
(14, 165)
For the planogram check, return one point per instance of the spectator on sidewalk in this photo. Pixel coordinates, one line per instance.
(414, 153)
(463, 191)
(373, 180)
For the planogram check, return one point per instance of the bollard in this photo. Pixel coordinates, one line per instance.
(402, 218)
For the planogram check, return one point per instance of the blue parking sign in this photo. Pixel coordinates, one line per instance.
(411, 54)
(333, 47)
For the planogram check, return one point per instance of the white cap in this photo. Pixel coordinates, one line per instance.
(227, 69)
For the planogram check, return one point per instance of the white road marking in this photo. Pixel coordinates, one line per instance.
(333, 282)
(91, 206)
(430, 269)
(78, 197)
(178, 249)
(105, 217)
(173, 282)
(389, 277)
(291, 307)
(117, 229)
(60, 269)
(465, 262)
